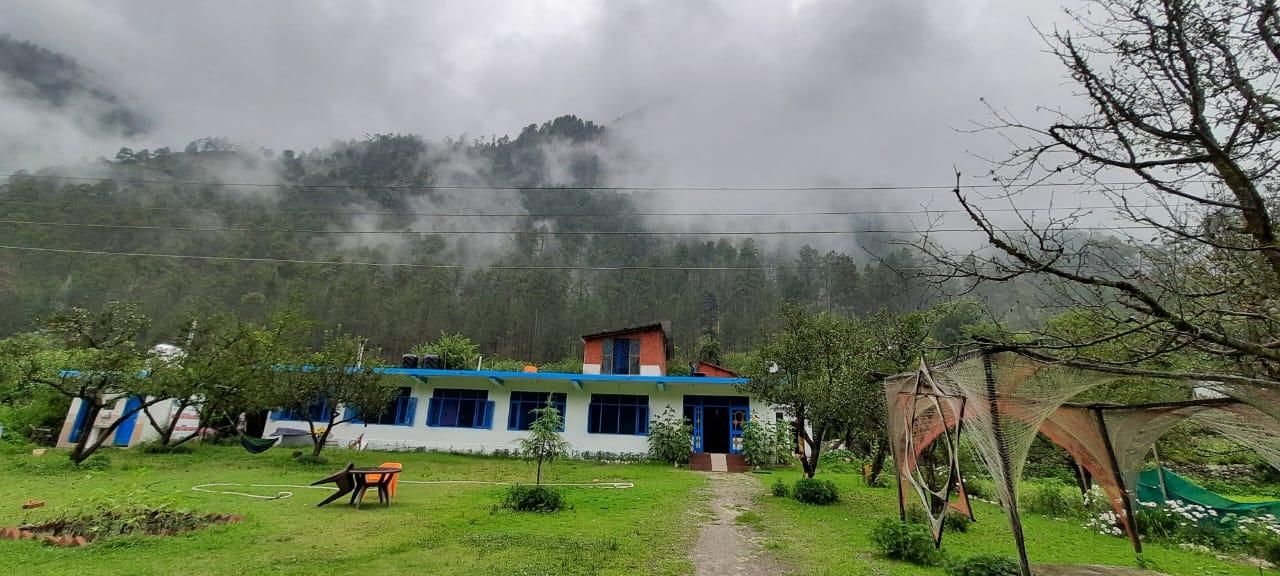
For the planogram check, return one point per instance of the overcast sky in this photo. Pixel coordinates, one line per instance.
(718, 92)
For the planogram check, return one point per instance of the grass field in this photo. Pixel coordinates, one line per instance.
(455, 530)
(835, 540)
(430, 529)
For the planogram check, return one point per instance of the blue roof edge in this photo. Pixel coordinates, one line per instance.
(566, 376)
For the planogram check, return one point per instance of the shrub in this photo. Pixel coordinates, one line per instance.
(839, 461)
(916, 515)
(158, 448)
(981, 488)
(670, 437)
(780, 489)
(95, 462)
(1053, 499)
(758, 447)
(902, 541)
(814, 491)
(311, 459)
(956, 522)
(984, 565)
(532, 499)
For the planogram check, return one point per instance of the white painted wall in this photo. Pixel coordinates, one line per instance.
(143, 431)
(419, 435)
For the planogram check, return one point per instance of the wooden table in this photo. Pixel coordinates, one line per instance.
(360, 477)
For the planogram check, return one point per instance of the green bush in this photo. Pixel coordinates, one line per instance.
(908, 542)
(956, 522)
(1053, 499)
(95, 462)
(311, 459)
(670, 437)
(523, 498)
(780, 489)
(814, 491)
(758, 447)
(839, 461)
(156, 447)
(981, 488)
(984, 565)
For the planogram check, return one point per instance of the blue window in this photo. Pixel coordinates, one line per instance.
(621, 356)
(398, 412)
(453, 408)
(521, 415)
(618, 414)
(317, 411)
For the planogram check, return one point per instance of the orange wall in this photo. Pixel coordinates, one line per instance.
(714, 372)
(652, 352)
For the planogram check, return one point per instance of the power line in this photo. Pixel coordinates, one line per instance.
(922, 211)
(535, 232)
(462, 267)
(800, 188)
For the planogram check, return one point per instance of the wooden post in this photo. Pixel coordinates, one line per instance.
(1164, 488)
(1015, 521)
(1124, 490)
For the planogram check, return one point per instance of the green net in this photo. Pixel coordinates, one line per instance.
(1180, 489)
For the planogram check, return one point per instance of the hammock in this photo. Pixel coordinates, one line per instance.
(1181, 489)
(257, 445)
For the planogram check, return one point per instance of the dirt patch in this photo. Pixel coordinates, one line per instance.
(725, 546)
(80, 529)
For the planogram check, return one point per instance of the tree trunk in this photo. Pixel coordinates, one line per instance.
(810, 459)
(82, 449)
(539, 480)
(318, 442)
(877, 463)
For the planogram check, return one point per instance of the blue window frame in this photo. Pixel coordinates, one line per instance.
(456, 408)
(521, 415)
(318, 411)
(618, 414)
(621, 356)
(399, 412)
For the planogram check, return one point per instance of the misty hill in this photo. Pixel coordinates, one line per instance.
(540, 254)
(39, 76)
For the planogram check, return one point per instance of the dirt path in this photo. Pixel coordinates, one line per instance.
(725, 547)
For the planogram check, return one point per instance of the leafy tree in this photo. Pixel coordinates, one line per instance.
(1181, 98)
(104, 349)
(457, 351)
(810, 371)
(336, 379)
(544, 442)
(25, 404)
(224, 367)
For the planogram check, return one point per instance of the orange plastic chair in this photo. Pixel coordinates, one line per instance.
(391, 489)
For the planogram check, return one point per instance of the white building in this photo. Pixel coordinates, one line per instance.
(605, 409)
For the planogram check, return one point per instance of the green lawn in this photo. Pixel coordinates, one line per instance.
(454, 529)
(835, 540)
(435, 529)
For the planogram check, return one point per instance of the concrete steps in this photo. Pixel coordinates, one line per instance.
(708, 462)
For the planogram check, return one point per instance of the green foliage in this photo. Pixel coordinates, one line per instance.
(312, 459)
(155, 447)
(840, 461)
(331, 376)
(955, 521)
(759, 443)
(504, 365)
(980, 488)
(902, 541)
(522, 498)
(780, 489)
(457, 351)
(1052, 498)
(815, 491)
(984, 565)
(95, 462)
(570, 365)
(544, 443)
(670, 437)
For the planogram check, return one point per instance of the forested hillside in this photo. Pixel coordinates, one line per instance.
(523, 270)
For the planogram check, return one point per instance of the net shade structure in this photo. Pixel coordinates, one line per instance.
(1001, 400)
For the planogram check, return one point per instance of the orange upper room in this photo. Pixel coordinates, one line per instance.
(642, 350)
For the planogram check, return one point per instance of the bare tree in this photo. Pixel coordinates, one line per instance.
(1183, 110)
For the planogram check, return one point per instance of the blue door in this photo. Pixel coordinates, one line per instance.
(738, 418)
(125, 431)
(75, 426)
(697, 428)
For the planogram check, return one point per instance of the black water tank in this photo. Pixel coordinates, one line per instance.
(409, 361)
(431, 361)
